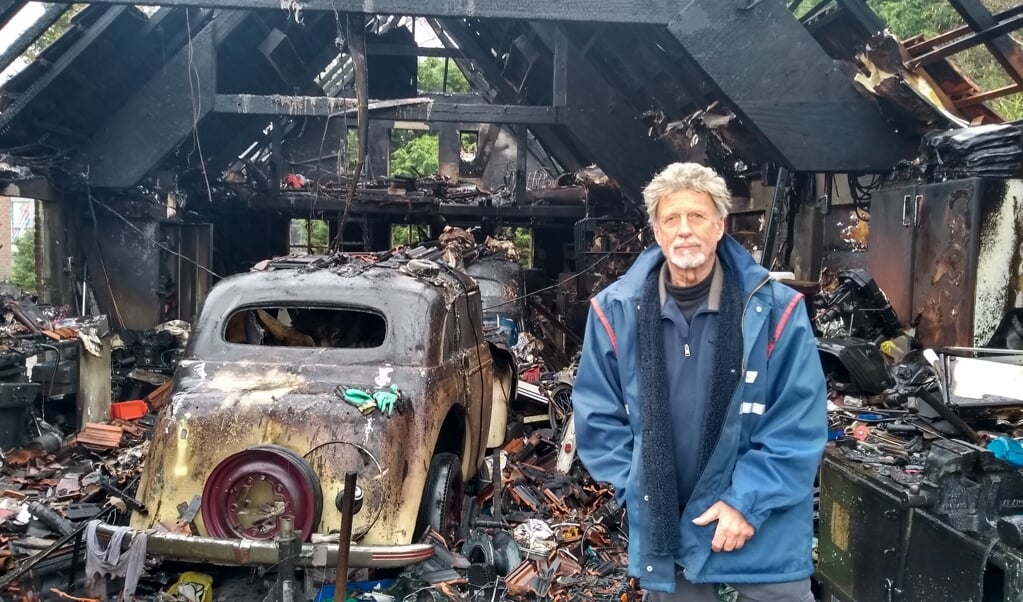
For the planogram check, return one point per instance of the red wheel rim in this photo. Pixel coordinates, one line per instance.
(246, 495)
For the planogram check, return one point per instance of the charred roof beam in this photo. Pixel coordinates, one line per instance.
(60, 65)
(9, 8)
(610, 11)
(454, 31)
(623, 148)
(415, 109)
(1006, 51)
(160, 114)
(20, 44)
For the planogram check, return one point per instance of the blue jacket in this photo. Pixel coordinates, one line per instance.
(769, 448)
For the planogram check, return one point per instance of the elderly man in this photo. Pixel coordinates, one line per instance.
(700, 397)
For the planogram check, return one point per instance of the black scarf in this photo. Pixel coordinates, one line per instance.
(660, 481)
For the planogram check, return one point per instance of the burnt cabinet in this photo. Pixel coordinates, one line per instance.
(948, 255)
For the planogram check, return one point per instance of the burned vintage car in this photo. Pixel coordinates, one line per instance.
(503, 292)
(311, 368)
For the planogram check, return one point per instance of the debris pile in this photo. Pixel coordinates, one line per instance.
(50, 490)
(534, 533)
(936, 424)
(994, 150)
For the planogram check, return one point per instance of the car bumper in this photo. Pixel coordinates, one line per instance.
(243, 552)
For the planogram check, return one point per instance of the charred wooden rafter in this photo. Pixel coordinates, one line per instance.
(20, 44)
(416, 109)
(1007, 52)
(611, 11)
(60, 65)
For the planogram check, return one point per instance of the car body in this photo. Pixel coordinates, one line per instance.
(502, 289)
(259, 427)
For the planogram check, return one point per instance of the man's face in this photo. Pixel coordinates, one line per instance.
(687, 228)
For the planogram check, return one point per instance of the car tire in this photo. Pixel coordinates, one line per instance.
(441, 508)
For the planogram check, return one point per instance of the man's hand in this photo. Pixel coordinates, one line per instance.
(732, 531)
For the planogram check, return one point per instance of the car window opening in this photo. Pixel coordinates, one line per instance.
(306, 327)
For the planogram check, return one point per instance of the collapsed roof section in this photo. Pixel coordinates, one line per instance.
(124, 99)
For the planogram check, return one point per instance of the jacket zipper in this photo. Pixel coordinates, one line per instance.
(742, 329)
(742, 364)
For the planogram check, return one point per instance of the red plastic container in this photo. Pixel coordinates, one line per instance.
(129, 410)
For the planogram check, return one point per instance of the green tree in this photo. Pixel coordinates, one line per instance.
(23, 264)
(310, 236)
(523, 238)
(431, 76)
(59, 27)
(406, 234)
(416, 157)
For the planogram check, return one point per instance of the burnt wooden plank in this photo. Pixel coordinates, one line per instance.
(611, 11)
(785, 88)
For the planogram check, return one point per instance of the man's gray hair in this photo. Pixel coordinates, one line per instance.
(687, 176)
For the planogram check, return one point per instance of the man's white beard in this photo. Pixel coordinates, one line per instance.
(688, 260)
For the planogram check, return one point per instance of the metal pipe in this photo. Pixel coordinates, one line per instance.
(288, 549)
(345, 536)
(247, 552)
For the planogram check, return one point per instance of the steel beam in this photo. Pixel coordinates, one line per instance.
(414, 109)
(786, 89)
(610, 11)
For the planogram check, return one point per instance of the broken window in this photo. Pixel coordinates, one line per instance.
(469, 145)
(277, 326)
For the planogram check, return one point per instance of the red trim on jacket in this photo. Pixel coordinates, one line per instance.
(607, 325)
(781, 323)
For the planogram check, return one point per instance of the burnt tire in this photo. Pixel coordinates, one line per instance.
(441, 508)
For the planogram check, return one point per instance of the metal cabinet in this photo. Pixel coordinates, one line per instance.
(948, 255)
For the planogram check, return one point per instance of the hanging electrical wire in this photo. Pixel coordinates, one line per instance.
(357, 48)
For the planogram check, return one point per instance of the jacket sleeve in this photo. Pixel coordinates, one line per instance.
(786, 446)
(603, 434)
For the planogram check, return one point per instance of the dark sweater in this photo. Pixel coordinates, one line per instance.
(690, 298)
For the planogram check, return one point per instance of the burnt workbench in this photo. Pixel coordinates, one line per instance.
(948, 536)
